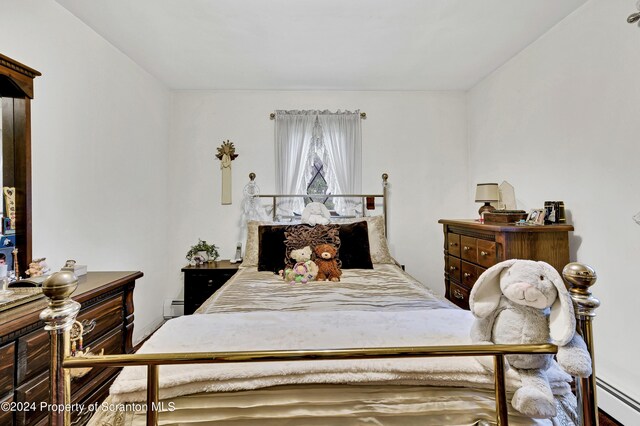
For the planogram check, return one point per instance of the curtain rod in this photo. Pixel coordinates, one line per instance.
(363, 115)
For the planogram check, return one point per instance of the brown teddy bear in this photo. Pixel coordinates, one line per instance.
(327, 263)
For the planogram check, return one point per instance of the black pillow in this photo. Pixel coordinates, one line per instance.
(354, 246)
(272, 255)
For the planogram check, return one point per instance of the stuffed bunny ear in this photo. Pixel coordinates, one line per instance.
(562, 321)
(485, 294)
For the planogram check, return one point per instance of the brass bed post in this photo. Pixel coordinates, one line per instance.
(580, 277)
(385, 177)
(58, 317)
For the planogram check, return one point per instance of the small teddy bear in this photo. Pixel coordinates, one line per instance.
(304, 270)
(315, 214)
(37, 268)
(526, 302)
(327, 263)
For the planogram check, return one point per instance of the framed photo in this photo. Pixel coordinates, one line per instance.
(536, 217)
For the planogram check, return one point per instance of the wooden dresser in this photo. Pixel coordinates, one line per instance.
(107, 315)
(471, 247)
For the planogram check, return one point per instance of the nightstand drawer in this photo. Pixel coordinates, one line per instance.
(486, 253)
(459, 295)
(453, 246)
(469, 250)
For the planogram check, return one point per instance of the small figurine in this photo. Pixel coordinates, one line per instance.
(38, 268)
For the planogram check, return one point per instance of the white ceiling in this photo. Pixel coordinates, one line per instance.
(321, 44)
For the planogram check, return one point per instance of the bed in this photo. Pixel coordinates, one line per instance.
(376, 306)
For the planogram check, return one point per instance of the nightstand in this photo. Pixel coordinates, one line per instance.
(202, 281)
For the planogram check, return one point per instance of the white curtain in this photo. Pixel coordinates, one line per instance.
(343, 143)
(341, 137)
(293, 135)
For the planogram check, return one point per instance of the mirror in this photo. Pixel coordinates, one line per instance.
(16, 92)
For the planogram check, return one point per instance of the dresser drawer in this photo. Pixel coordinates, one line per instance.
(33, 355)
(7, 357)
(486, 253)
(112, 344)
(469, 250)
(468, 274)
(33, 349)
(459, 295)
(453, 246)
(101, 319)
(6, 416)
(37, 389)
(34, 391)
(453, 268)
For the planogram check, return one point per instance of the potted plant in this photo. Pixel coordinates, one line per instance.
(202, 252)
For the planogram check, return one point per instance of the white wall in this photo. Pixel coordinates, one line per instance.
(560, 122)
(100, 151)
(419, 138)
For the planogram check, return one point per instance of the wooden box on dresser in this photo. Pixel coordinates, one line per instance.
(471, 247)
(201, 281)
(106, 312)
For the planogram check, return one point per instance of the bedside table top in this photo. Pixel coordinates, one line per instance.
(218, 264)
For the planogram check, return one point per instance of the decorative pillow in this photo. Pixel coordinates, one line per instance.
(354, 245)
(299, 236)
(272, 253)
(378, 247)
(253, 243)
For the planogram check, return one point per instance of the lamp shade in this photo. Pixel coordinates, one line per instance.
(487, 192)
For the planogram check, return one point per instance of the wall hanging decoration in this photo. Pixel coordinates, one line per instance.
(226, 154)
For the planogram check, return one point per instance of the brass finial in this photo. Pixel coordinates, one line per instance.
(252, 176)
(580, 277)
(385, 176)
(62, 310)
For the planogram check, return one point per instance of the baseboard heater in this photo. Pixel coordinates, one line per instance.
(621, 396)
(173, 308)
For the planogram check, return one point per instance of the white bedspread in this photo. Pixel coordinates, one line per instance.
(265, 330)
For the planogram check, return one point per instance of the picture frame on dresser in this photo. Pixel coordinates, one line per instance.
(536, 217)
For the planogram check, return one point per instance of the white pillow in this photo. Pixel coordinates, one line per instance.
(378, 247)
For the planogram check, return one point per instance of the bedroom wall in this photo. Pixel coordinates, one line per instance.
(100, 151)
(559, 122)
(419, 138)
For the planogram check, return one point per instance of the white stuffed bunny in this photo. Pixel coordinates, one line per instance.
(316, 214)
(526, 302)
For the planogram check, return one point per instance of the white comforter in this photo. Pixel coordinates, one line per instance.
(264, 330)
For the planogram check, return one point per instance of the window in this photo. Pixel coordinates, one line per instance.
(318, 153)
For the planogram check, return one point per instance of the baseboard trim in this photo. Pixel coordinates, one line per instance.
(617, 404)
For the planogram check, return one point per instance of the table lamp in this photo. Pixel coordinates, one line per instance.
(487, 193)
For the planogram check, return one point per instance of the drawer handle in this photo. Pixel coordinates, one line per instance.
(453, 244)
(466, 248)
(453, 268)
(88, 326)
(467, 275)
(458, 294)
(484, 253)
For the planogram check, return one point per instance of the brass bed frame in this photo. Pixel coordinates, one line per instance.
(60, 315)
